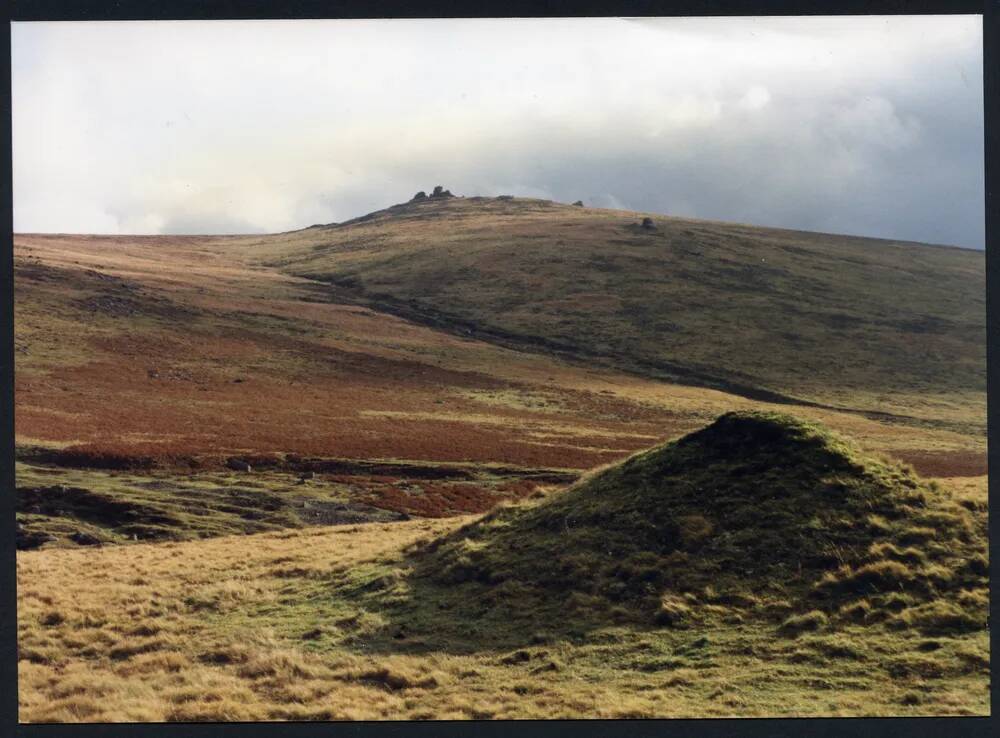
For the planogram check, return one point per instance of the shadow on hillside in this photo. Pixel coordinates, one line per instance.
(424, 615)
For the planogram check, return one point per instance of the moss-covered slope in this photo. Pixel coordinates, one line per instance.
(757, 514)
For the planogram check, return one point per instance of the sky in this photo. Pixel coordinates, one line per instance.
(864, 125)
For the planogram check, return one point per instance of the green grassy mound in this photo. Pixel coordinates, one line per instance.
(757, 515)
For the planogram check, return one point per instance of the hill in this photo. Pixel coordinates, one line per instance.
(771, 314)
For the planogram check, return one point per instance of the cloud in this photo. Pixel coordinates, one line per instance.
(865, 125)
(756, 98)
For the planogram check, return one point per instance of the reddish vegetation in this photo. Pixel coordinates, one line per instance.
(169, 354)
(133, 356)
(945, 463)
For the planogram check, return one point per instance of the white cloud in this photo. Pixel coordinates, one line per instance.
(756, 98)
(273, 125)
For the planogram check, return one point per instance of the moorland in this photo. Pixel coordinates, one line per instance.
(471, 457)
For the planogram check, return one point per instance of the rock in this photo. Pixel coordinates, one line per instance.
(579, 203)
(84, 539)
(647, 223)
(440, 192)
(419, 196)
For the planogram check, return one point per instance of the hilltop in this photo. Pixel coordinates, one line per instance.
(770, 314)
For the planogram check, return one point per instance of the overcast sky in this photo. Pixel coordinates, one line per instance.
(870, 126)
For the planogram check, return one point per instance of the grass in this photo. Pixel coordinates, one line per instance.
(455, 618)
(275, 646)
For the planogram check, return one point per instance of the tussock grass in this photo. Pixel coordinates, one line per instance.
(812, 620)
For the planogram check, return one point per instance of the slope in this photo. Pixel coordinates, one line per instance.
(852, 322)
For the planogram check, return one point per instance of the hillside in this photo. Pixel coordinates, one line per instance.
(850, 322)
(499, 458)
(242, 353)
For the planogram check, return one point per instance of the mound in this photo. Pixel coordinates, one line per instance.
(758, 512)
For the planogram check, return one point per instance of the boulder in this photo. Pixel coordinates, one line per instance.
(84, 539)
(440, 192)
